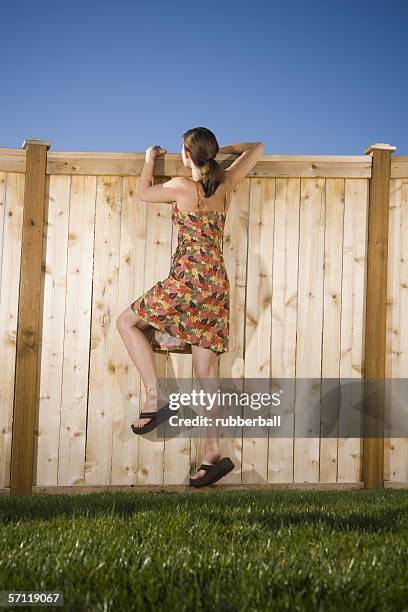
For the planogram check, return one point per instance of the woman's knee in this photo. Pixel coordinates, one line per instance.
(126, 320)
(121, 322)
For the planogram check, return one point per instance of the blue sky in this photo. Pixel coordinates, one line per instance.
(303, 77)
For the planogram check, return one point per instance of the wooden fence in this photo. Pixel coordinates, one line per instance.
(316, 249)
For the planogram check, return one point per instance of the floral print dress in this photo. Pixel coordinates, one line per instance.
(192, 303)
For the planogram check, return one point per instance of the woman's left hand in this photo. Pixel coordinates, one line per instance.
(153, 152)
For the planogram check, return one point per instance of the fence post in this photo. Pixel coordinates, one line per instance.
(376, 311)
(25, 410)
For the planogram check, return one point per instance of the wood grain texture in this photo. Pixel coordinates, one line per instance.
(258, 318)
(29, 323)
(232, 363)
(331, 340)
(53, 333)
(352, 326)
(376, 311)
(396, 449)
(102, 367)
(76, 329)
(131, 164)
(179, 452)
(309, 329)
(11, 224)
(296, 248)
(399, 166)
(13, 160)
(127, 388)
(157, 262)
(284, 321)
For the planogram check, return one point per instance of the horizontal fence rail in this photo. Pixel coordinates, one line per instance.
(318, 290)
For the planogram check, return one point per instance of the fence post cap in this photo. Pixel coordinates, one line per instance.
(36, 141)
(379, 145)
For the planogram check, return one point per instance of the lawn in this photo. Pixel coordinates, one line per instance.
(213, 550)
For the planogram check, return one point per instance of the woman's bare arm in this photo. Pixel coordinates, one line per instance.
(163, 192)
(249, 155)
(238, 147)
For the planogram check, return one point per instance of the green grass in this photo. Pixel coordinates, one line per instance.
(217, 550)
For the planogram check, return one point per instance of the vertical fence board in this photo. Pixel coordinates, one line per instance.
(309, 327)
(235, 247)
(127, 379)
(5, 411)
(28, 364)
(177, 449)
(124, 441)
(53, 329)
(333, 270)
(284, 319)
(352, 321)
(235, 251)
(77, 323)
(3, 177)
(12, 197)
(396, 449)
(104, 308)
(157, 263)
(258, 316)
(376, 311)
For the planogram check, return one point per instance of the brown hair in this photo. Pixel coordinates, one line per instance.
(203, 147)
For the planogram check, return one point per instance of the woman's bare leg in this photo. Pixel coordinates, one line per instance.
(205, 367)
(130, 329)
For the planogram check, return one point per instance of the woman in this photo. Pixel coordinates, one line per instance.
(192, 303)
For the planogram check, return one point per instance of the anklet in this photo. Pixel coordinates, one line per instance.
(153, 387)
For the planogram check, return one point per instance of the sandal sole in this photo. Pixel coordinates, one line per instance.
(163, 415)
(221, 469)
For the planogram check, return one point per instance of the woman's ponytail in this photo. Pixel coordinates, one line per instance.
(212, 175)
(203, 147)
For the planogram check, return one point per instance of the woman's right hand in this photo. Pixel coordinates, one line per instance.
(153, 152)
